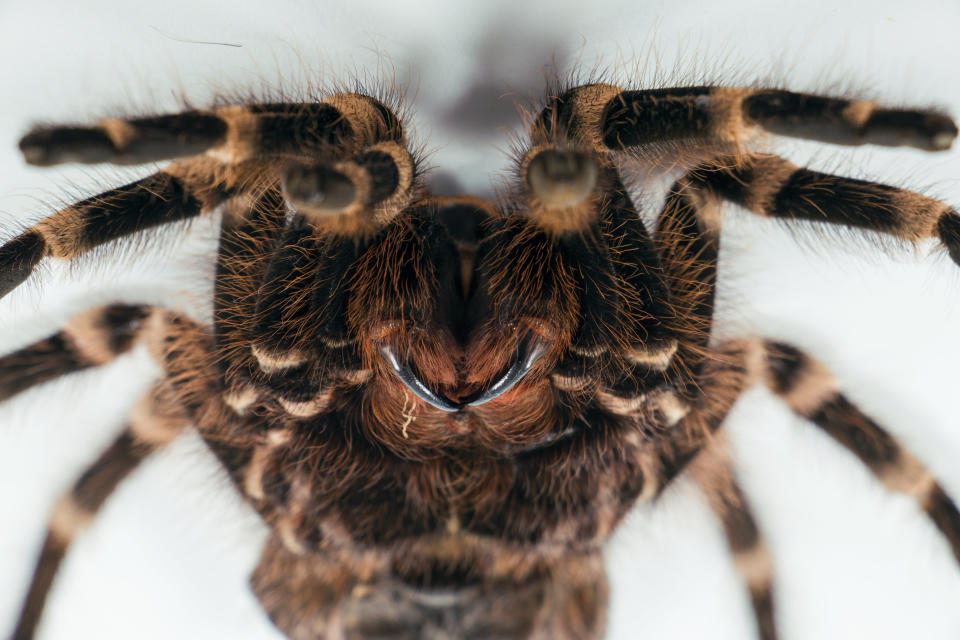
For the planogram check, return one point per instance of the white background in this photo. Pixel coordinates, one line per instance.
(169, 556)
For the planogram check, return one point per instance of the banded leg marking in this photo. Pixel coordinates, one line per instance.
(96, 337)
(382, 172)
(162, 198)
(751, 557)
(810, 390)
(688, 238)
(342, 124)
(153, 423)
(90, 339)
(771, 187)
(721, 380)
(608, 118)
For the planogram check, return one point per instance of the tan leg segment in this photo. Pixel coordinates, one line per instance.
(714, 474)
(153, 423)
(336, 127)
(810, 390)
(609, 118)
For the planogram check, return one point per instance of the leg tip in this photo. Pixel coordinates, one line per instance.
(943, 140)
(948, 228)
(47, 147)
(18, 257)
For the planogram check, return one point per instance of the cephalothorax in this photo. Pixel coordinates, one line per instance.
(443, 407)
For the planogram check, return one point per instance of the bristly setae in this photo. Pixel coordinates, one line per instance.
(443, 406)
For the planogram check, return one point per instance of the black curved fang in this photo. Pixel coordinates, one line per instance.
(415, 384)
(523, 360)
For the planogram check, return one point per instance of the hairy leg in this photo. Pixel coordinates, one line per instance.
(154, 422)
(334, 159)
(771, 187)
(603, 120)
(334, 128)
(612, 119)
(162, 198)
(91, 339)
(811, 391)
(713, 472)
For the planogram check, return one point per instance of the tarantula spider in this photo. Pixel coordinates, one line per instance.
(442, 407)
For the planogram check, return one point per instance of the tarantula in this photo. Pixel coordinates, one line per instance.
(443, 406)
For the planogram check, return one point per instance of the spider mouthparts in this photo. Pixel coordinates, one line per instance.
(561, 179)
(415, 384)
(319, 190)
(524, 358)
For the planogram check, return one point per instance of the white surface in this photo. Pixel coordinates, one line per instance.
(168, 557)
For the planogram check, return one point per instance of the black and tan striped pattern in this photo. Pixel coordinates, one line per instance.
(126, 141)
(88, 340)
(603, 118)
(353, 147)
(98, 336)
(713, 472)
(810, 390)
(339, 126)
(772, 187)
(159, 199)
(332, 258)
(609, 118)
(153, 423)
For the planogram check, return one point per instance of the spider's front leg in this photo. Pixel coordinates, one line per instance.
(223, 153)
(720, 120)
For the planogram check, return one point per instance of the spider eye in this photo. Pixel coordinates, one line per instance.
(560, 179)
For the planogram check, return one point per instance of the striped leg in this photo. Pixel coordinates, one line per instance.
(91, 339)
(612, 119)
(98, 336)
(339, 126)
(714, 474)
(688, 236)
(810, 390)
(154, 422)
(689, 249)
(164, 197)
(358, 143)
(604, 119)
(771, 187)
